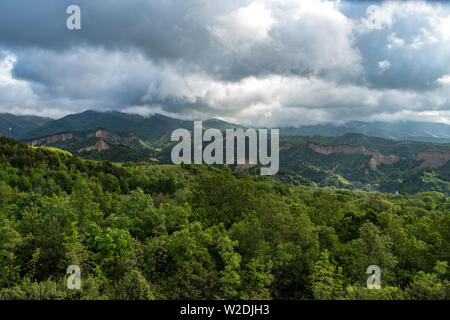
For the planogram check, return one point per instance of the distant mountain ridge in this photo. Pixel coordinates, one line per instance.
(398, 130)
(155, 126)
(19, 125)
(147, 128)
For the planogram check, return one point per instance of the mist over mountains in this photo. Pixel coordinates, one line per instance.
(398, 130)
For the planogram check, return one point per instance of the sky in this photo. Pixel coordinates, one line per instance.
(261, 62)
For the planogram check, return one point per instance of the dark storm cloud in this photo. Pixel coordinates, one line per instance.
(266, 61)
(181, 31)
(162, 29)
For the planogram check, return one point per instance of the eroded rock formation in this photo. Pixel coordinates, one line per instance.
(51, 139)
(433, 159)
(377, 157)
(101, 145)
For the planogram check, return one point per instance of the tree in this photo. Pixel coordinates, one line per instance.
(82, 200)
(138, 215)
(357, 292)
(326, 279)
(430, 286)
(133, 286)
(257, 279)
(371, 248)
(75, 251)
(218, 197)
(230, 279)
(111, 244)
(10, 240)
(181, 265)
(6, 194)
(28, 290)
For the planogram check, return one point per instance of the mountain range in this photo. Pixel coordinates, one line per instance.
(327, 155)
(17, 126)
(31, 127)
(398, 130)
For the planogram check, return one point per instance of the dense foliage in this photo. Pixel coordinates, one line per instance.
(301, 165)
(141, 231)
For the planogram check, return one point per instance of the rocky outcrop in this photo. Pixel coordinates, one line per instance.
(433, 159)
(102, 134)
(377, 157)
(51, 139)
(327, 150)
(101, 145)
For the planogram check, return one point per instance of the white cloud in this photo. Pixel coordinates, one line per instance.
(290, 36)
(431, 22)
(77, 80)
(6, 65)
(14, 94)
(281, 100)
(424, 37)
(318, 34)
(394, 41)
(445, 79)
(442, 26)
(384, 65)
(425, 116)
(149, 110)
(245, 27)
(385, 15)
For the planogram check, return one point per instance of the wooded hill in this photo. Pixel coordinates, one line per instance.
(142, 231)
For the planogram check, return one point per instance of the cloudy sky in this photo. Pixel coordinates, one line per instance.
(256, 62)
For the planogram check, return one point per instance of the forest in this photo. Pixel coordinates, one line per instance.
(142, 231)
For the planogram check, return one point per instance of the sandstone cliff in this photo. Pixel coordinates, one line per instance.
(377, 157)
(99, 146)
(102, 134)
(433, 159)
(51, 139)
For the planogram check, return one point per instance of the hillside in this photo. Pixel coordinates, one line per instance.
(358, 162)
(141, 231)
(148, 129)
(113, 135)
(113, 121)
(20, 125)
